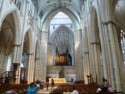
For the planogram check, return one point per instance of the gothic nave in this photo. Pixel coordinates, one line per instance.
(63, 39)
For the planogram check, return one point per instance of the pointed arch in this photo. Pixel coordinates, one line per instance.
(49, 17)
(28, 38)
(16, 18)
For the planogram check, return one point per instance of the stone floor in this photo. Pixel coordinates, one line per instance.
(44, 91)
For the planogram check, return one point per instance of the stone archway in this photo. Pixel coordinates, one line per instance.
(54, 12)
(58, 66)
(7, 40)
(27, 58)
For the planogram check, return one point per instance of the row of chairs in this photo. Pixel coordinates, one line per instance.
(17, 87)
(82, 88)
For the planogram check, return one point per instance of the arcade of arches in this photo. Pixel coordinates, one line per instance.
(63, 38)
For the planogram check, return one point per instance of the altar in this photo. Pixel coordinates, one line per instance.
(61, 74)
(58, 80)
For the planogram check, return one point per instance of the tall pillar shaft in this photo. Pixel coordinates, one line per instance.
(37, 70)
(114, 63)
(16, 62)
(30, 69)
(43, 56)
(115, 55)
(97, 63)
(16, 72)
(109, 56)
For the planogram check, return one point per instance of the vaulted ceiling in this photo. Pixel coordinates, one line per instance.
(47, 6)
(120, 12)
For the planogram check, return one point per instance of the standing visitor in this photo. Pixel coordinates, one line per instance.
(52, 84)
(47, 85)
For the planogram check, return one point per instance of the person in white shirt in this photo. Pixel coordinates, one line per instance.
(74, 91)
(110, 89)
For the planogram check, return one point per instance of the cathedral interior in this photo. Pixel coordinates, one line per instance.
(63, 39)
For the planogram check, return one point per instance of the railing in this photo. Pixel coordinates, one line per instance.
(7, 74)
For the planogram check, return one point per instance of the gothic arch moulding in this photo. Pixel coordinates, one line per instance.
(49, 17)
(28, 38)
(17, 29)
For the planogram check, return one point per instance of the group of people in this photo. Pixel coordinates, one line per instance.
(52, 84)
(75, 91)
(106, 87)
(32, 88)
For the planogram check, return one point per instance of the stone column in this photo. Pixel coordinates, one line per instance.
(97, 63)
(94, 47)
(30, 69)
(86, 55)
(86, 67)
(17, 48)
(102, 41)
(37, 61)
(16, 72)
(77, 47)
(110, 32)
(3, 62)
(43, 55)
(115, 54)
(37, 69)
(77, 63)
(109, 54)
(16, 62)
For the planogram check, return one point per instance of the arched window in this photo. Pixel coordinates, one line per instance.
(60, 19)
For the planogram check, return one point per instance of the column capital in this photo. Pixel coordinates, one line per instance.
(97, 43)
(109, 22)
(18, 45)
(30, 53)
(86, 52)
(16, 63)
(37, 58)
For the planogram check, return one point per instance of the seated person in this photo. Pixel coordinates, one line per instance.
(66, 91)
(58, 90)
(99, 90)
(12, 91)
(74, 91)
(38, 85)
(32, 89)
(110, 89)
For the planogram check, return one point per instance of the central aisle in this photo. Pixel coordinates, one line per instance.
(44, 91)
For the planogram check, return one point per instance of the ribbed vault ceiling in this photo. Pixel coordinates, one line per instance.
(46, 6)
(120, 12)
